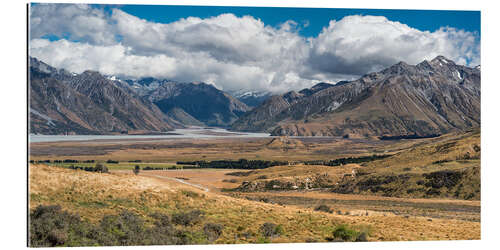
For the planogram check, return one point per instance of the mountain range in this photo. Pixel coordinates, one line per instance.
(91, 103)
(430, 98)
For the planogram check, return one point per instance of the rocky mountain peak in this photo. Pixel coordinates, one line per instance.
(441, 61)
(398, 69)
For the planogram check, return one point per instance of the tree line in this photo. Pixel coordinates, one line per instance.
(230, 164)
(347, 160)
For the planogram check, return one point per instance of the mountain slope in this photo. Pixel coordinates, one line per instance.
(87, 103)
(432, 97)
(183, 117)
(203, 102)
(251, 98)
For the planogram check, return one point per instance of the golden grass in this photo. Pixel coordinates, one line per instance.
(92, 195)
(450, 147)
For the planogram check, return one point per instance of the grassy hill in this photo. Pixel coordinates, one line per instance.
(125, 209)
(445, 167)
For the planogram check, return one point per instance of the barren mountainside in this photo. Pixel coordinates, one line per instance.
(432, 97)
(201, 101)
(87, 103)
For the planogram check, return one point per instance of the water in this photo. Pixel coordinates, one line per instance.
(187, 133)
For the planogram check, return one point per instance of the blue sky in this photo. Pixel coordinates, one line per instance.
(247, 48)
(317, 18)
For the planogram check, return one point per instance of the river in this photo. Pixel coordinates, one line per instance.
(186, 133)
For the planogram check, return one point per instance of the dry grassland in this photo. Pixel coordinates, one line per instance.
(93, 195)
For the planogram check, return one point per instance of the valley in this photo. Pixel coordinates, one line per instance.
(394, 155)
(367, 195)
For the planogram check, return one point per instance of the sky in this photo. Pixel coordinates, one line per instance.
(247, 48)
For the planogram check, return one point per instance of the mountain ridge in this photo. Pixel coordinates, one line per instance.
(432, 97)
(87, 103)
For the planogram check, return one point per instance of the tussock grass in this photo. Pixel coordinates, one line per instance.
(95, 195)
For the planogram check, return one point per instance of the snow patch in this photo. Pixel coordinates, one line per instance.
(333, 106)
(49, 120)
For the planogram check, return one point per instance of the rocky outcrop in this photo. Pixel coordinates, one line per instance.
(289, 183)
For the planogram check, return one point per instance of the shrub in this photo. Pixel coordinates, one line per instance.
(189, 218)
(127, 228)
(362, 237)
(344, 233)
(50, 227)
(212, 231)
(101, 168)
(323, 208)
(137, 169)
(270, 230)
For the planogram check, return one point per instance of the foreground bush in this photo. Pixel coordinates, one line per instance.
(344, 233)
(212, 231)
(189, 218)
(270, 230)
(50, 227)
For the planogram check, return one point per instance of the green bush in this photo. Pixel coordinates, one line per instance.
(344, 233)
(50, 226)
(189, 218)
(212, 231)
(269, 229)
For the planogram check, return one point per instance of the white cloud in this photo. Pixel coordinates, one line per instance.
(360, 44)
(75, 21)
(235, 52)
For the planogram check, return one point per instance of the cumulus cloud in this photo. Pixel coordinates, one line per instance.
(359, 44)
(233, 52)
(74, 21)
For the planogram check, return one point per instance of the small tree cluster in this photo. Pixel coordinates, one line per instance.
(137, 169)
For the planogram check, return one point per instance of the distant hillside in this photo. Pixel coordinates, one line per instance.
(202, 101)
(432, 97)
(251, 98)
